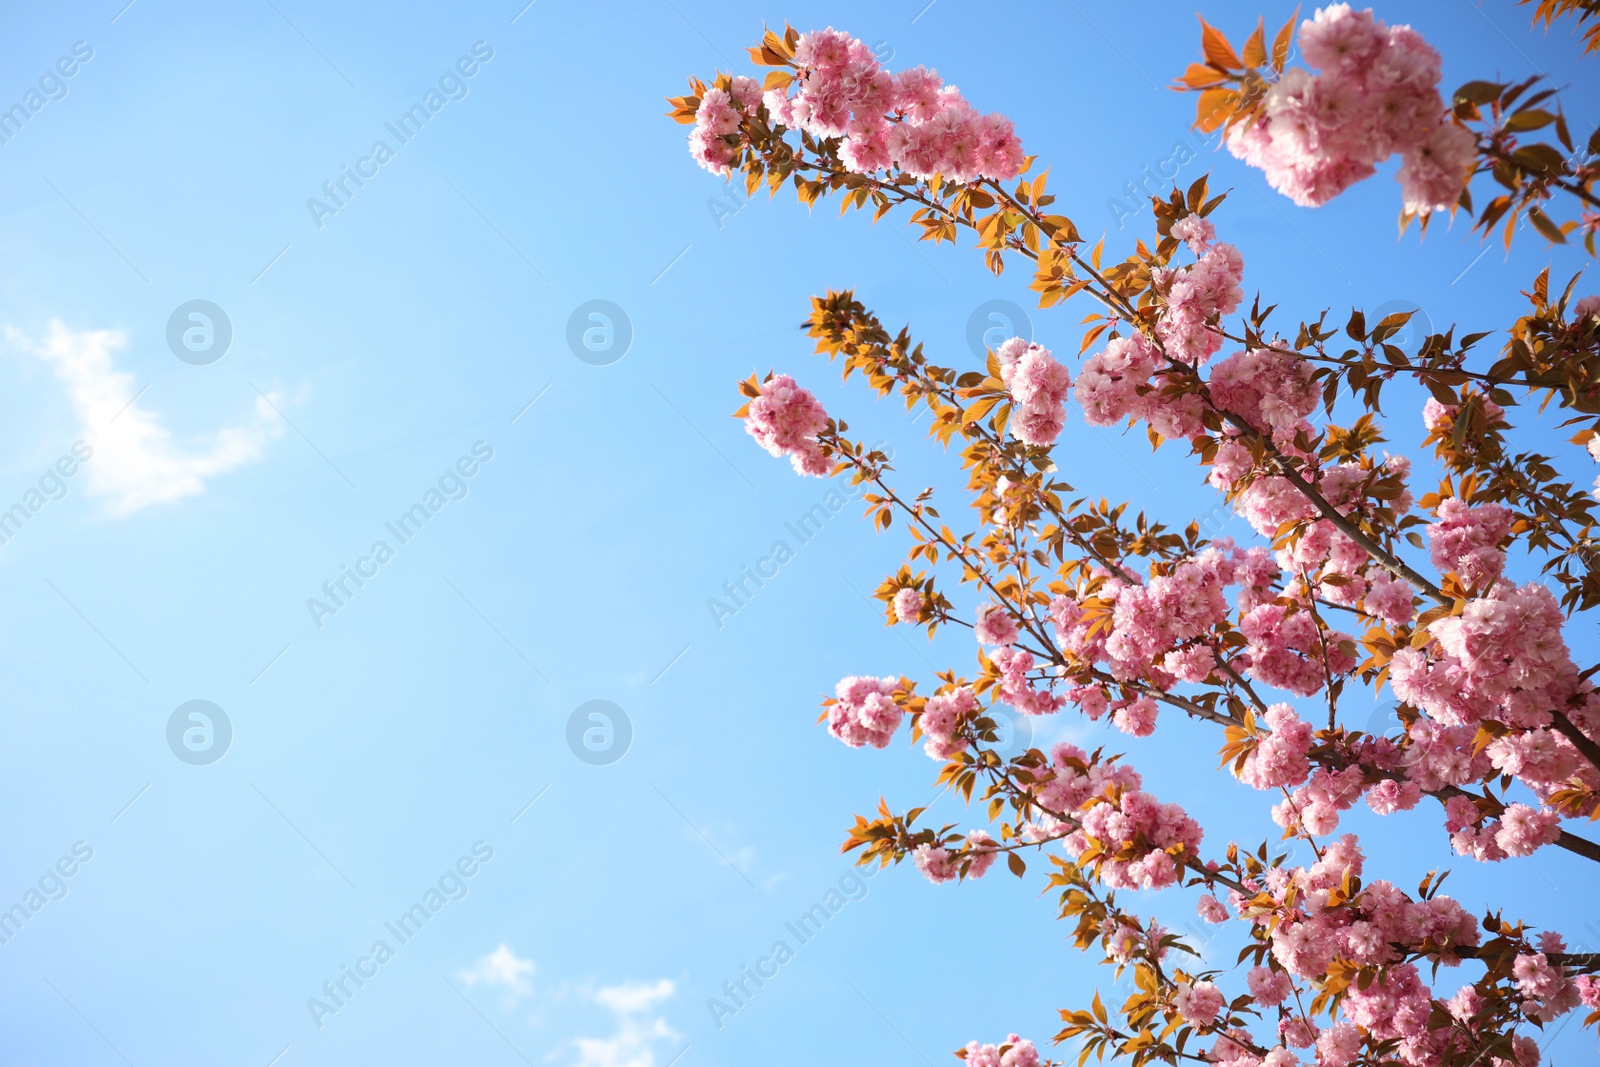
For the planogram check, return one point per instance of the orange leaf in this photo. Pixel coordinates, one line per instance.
(1214, 107)
(1200, 76)
(1280, 43)
(1219, 53)
(1255, 50)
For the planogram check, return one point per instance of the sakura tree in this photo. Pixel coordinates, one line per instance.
(1354, 581)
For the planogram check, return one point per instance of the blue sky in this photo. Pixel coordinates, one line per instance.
(380, 751)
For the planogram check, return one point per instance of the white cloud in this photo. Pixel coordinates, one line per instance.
(640, 1035)
(136, 462)
(634, 996)
(639, 1031)
(503, 969)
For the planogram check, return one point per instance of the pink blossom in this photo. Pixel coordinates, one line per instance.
(982, 848)
(1338, 1045)
(1396, 1004)
(1466, 540)
(1038, 426)
(1108, 387)
(1392, 795)
(941, 721)
(936, 864)
(1137, 718)
(1269, 987)
(1194, 231)
(1192, 664)
(1503, 657)
(982, 1055)
(1268, 389)
(1162, 832)
(1296, 1031)
(1199, 1004)
(908, 605)
(1436, 168)
(1390, 599)
(1338, 39)
(942, 714)
(995, 626)
(1211, 909)
(1535, 976)
(1290, 651)
(865, 712)
(1523, 830)
(785, 420)
(1279, 758)
(1039, 386)
(1376, 95)
(910, 120)
(1019, 690)
(1019, 1052)
(1193, 299)
(1231, 463)
(714, 143)
(1232, 1049)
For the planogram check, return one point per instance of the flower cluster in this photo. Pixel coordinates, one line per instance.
(1144, 620)
(1466, 541)
(1039, 387)
(1129, 837)
(865, 712)
(1503, 658)
(910, 120)
(908, 605)
(1290, 650)
(1018, 689)
(995, 625)
(1313, 916)
(714, 141)
(1192, 299)
(1014, 1051)
(1377, 94)
(941, 722)
(785, 420)
(1280, 758)
(939, 865)
(1131, 840)
(1269, 389)
(1162, 631)
(1519, 831)
(1130, 379)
